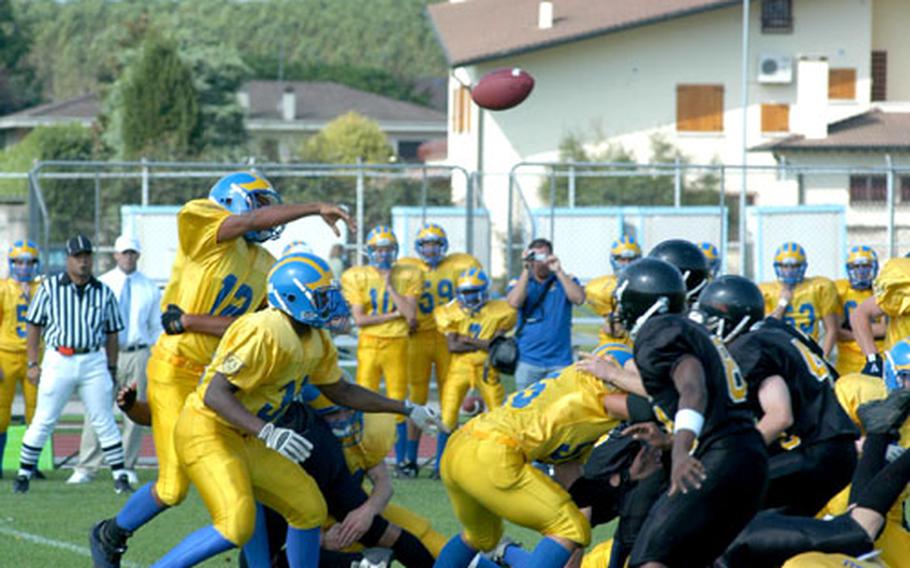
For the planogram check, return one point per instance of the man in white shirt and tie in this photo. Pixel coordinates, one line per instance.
(139, 299)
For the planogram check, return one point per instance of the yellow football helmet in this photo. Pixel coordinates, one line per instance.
(382, 247)
(625, 249)
(24, 261)
(790, 263)
(862, 267)
(432, 244)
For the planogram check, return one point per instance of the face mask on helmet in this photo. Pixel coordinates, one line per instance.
(302, 286)
(861, 275)
(472, 299)
(432, 244)
(383, 256)
(346, 424)
(790, 273)
(24, 268)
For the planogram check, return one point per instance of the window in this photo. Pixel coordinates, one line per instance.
(842, 83)
(879, 75)
(700, 108)
(407, 150)
(461, 110)
(776, 16)
(874, 189)
(775, 118)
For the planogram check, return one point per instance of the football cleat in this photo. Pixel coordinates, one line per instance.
(790, 263)
(104, 554)
(376, 558)
(624, 250)
(406, 470)
(382, 247)
(498, 554)
(472, 289)
(122, 484)
(20, 484)
(24, 261)
(432, 244)
(862, 267)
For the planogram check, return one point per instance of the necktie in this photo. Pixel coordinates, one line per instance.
(125, 312)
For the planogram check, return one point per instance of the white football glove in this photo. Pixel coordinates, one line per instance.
(424, 416)
(893, 452)
(286, 442)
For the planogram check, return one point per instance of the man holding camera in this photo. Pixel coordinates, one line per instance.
(543, 295)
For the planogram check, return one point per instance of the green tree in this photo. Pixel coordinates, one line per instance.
(18, 85)
(159, 114)
(347, 138)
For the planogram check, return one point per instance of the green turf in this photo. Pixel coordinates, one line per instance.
(59, 514)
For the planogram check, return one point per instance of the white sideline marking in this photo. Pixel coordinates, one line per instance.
(44, 541)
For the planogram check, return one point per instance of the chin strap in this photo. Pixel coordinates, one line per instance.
(743, 323)
(660, 306)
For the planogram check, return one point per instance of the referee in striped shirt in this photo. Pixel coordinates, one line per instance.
(80, 319)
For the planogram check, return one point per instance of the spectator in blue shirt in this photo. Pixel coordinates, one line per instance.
(543, 295)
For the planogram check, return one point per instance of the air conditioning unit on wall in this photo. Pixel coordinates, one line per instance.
(775, 69)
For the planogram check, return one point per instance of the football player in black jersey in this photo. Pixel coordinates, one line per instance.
(691, 262)
(718, 467)
(810, 438)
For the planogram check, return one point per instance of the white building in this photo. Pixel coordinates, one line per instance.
(633, 68)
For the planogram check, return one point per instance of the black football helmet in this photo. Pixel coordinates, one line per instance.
(646, 287)
(728, 306)
(690, 261)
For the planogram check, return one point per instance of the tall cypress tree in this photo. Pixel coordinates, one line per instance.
(160, 107)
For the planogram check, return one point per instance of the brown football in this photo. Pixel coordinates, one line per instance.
(503, 89)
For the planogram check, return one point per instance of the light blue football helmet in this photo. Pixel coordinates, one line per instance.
(241, 192)
(303, 286)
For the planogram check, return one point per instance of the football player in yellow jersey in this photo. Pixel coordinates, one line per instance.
(862, 268)
(488, 473)
(427, 347)
(15, 294)
(799, 301)
(383, 299)
(891, 298)
(470, 323)
(219, 274)
(599, 291)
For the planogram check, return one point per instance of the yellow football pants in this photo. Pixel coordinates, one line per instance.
(822, 560)
(599, 556)
(232, 471)
(14, 367)
(426, 349)
(849, 358)
(383, 357)
(170, 381)
(463, 375)
(489, 479)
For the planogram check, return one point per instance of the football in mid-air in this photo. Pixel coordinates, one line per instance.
(472, 405)
(502, 89)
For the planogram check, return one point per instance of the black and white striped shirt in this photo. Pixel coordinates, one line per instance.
(73, 316)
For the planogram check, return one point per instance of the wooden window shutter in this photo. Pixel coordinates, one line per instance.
(461, 110)
(842, 83)
(700, 108)
(775, 118)
(879, 75)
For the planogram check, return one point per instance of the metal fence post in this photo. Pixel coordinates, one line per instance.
(725, 224)
(97, 207)
(552, 204)
(677, 184)
(890, 205)
(423, 195)
(145, 182)
(359, 206)
(572, 184)
(469, 213)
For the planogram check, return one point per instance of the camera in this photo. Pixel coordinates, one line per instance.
(535, 256)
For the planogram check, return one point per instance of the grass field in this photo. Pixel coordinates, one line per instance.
(48, 527)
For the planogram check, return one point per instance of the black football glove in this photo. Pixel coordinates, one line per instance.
(874, 365)
(170, 320)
